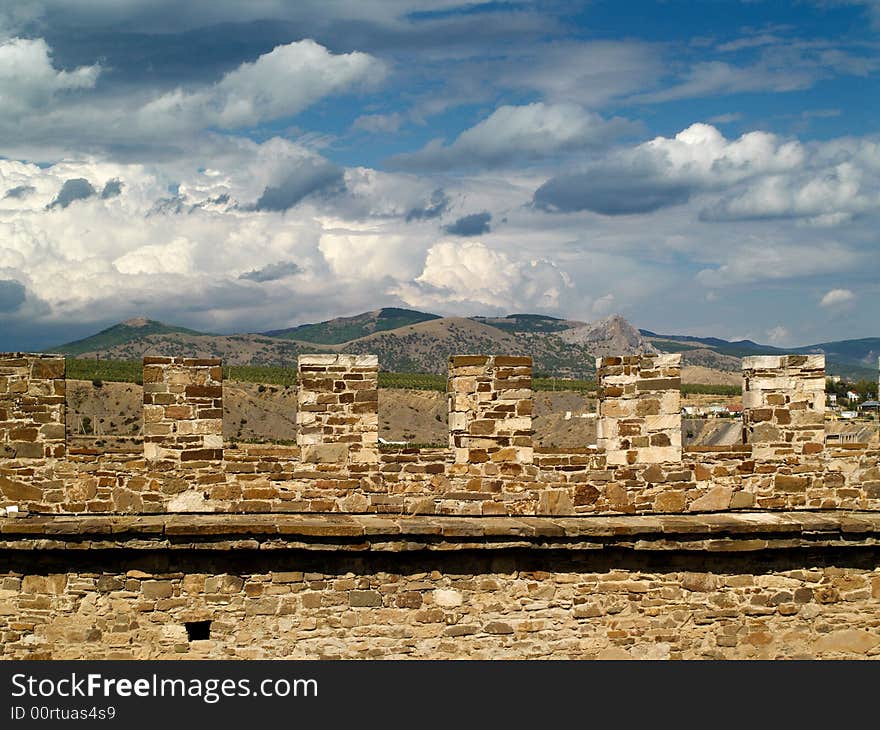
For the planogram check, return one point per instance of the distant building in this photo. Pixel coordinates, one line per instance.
(853, 396)
(870, 405)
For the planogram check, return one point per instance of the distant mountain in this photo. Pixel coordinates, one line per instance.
(528, 323)
(405, 341)
(410, 341)
(610, 336)
(345, 329)
(857, 353)
(426, 346)
(131, 330)
(852, 359)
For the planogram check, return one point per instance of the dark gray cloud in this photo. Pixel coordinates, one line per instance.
(272, 272)
(610, 192)
(12, 295)
(76, 189)
(434, 208)
(310, 178)
(475, 224)
(20, 191)
(112, 189)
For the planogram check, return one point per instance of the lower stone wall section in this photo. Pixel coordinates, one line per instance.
(463, 604)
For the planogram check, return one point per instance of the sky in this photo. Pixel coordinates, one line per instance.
(705, 168)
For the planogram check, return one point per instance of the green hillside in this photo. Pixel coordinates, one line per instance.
(344, 329)
(119, 334)
(526, 323)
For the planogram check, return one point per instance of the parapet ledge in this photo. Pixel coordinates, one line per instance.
(719, 532)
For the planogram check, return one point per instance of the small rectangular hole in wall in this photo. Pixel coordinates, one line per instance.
(198, 630)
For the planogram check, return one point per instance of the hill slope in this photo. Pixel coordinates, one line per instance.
(559, 347)
(422, 345)
(344, 329)
(119, 334)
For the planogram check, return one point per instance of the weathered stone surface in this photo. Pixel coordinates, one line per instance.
(337, 420)
(490, 411)
(640, 409)
(180, 406)
(847, 641)
(784, 402)
(32, 405)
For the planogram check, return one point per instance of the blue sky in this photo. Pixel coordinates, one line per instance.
(699, 167)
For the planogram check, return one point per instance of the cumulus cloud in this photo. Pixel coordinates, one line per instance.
(516, 134)
(828, 196)
(72, 190)
(280, 83)
(272, 272)
(29, 81)
(112, 188)
(475, 224)
(41, 116)
(471, 274)
(433, 208)
(20, 191)
(835, 297)
(610, 192)
(312, 176)
(665, 172)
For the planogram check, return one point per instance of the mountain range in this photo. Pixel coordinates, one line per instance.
(412, 341)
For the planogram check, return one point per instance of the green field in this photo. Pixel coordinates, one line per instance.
(125, 371)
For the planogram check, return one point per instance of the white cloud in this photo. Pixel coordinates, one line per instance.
(771, 260)
(588, 73)
(835, 297)
(514, 134)
(757, 176)
(667, 171)
(779, 335)
(472, 275)
(38, 121)
(377, 123)
(825, 196)
(28, 80)
(280, 83)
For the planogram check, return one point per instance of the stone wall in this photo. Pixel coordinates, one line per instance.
(629, 597)
(183, 409)
(338, 415)
(784, 403)
(32, 406)
(266, 478)
(491, 467)
(639, 408)
(490, 417)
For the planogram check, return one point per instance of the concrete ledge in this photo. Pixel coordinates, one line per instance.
(708, 532)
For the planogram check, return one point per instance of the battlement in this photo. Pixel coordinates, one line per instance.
(491, 465)
(32, 406)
